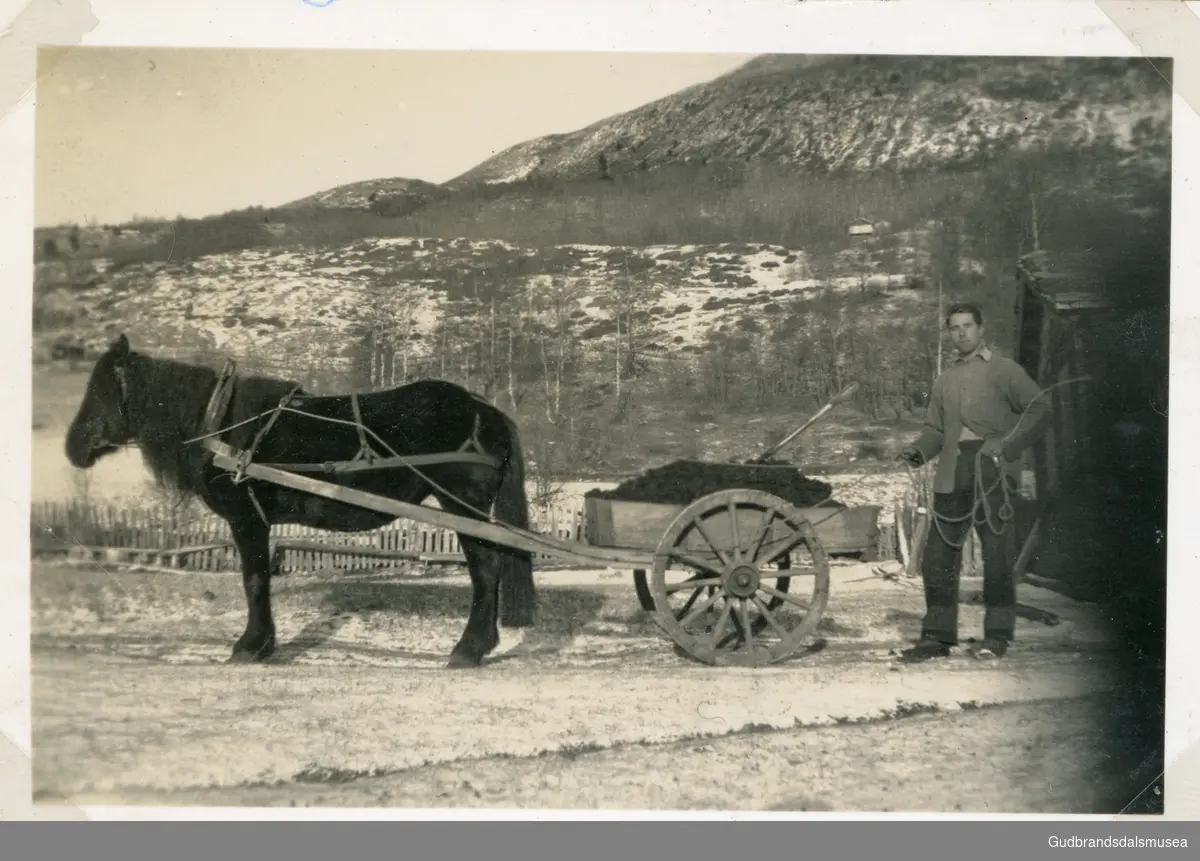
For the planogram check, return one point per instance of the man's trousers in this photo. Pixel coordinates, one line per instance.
(942, 561)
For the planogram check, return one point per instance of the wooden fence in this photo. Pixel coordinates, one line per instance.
(197, 540)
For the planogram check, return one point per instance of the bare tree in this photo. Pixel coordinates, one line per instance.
(390, 330)
(550, 304)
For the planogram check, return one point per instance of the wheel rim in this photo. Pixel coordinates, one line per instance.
(730, 543)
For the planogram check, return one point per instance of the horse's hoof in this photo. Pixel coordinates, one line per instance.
(245, 656)
(462, 662)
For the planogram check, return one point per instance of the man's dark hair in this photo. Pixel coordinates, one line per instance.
(965, 308)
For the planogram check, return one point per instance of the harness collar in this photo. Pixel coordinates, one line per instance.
(218, 402)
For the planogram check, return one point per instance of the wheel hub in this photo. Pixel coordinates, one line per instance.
(742, 581)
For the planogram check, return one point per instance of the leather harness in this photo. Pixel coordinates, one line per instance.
(367, 458)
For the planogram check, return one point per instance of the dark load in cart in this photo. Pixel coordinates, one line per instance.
(260, 451)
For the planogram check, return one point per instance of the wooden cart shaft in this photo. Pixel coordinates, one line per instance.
(503, 535)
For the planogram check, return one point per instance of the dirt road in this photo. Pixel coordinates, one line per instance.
(132, 704)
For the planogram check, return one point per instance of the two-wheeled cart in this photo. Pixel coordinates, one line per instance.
(720, 567)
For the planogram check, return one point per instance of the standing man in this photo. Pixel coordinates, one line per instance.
(985, 403)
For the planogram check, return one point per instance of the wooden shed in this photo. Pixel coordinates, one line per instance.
(1058, 313)
(1066, 328)
(861, 227)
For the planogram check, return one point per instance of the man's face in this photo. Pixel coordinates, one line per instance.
(965, 332)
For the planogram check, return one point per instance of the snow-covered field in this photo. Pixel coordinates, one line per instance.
(306, 306)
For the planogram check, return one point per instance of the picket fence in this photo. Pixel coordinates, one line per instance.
(191, 539)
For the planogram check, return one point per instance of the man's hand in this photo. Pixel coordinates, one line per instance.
(911, 455)
(993, 448)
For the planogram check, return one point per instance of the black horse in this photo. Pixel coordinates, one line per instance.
(160, 405)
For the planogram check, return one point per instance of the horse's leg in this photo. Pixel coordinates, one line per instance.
(481, 634)
(252, 538)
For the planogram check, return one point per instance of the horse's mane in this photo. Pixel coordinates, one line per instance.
(167, 400)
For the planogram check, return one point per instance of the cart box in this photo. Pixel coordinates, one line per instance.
(641, 525)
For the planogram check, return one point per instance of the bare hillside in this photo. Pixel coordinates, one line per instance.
(863, 114)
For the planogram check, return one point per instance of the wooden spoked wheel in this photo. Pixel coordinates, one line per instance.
(727, 609)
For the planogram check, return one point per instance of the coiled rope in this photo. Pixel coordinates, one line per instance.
(981, 500)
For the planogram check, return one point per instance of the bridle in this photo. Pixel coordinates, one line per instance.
(122, 389)
(119, 374)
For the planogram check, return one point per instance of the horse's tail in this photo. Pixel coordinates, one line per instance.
(518, 598)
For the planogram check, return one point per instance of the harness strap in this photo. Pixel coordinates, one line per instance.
(364, 448)
(248, 455)
(472, 442)
(257, 505)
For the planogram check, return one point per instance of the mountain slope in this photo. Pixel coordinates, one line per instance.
(861, 114)
(397, 195)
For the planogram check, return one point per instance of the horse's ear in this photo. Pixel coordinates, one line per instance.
(120, 348)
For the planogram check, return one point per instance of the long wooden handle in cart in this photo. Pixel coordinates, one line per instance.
(834, 401)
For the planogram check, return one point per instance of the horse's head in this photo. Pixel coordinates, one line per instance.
(102, 424)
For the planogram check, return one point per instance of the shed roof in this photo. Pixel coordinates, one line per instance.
(1068, 281)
